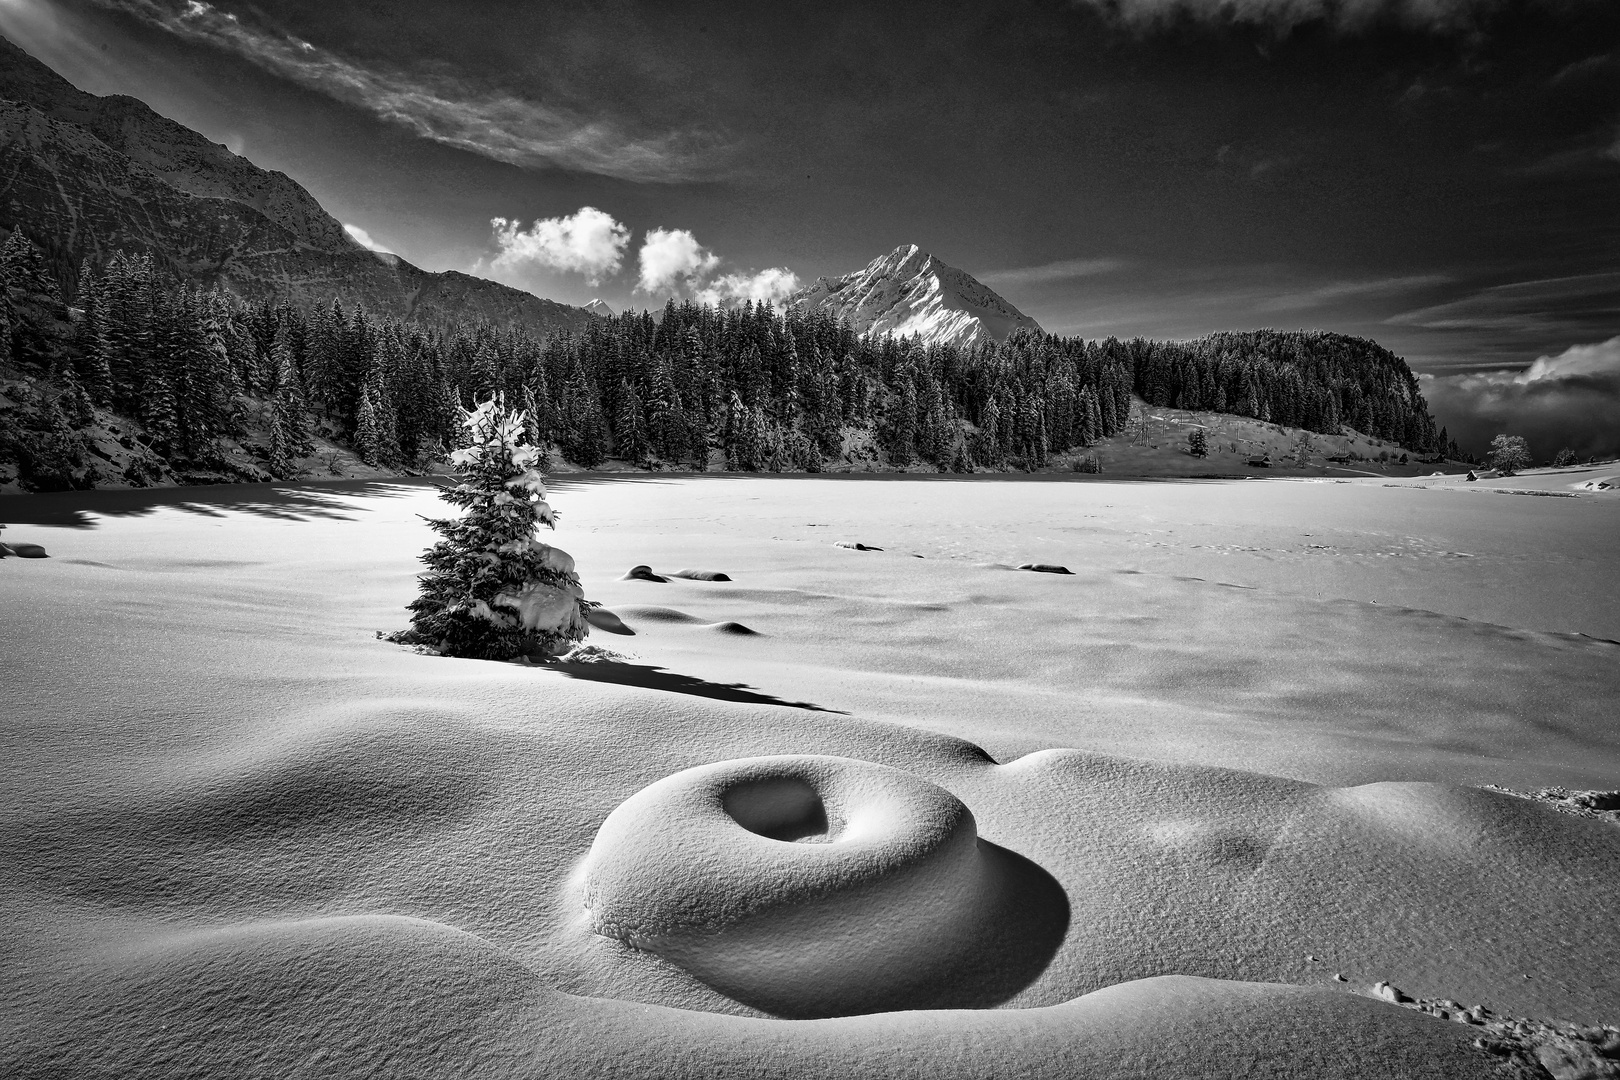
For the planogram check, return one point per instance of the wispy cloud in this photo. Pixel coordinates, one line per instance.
(1340, 291)
(1063, 270)
(587, 242)
(1349, 16)
(1529, 306)
(443, 109)
(1597, 150)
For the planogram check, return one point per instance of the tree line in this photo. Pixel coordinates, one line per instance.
(747, 388)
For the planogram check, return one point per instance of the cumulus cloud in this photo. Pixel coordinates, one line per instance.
(587, 242)
(672, 259)
(772, 285)
(1439, 16)
(1569, 399)
(363, 238)
(441, 108)
(672, 262)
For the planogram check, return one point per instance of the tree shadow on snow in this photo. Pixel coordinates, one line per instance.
(652, 677)
(286, 502)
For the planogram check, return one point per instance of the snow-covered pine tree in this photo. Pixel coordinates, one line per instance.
(5, 326)
(93, 370)
(631, 430)
(365, 429)
(492, 591)
(289, 431)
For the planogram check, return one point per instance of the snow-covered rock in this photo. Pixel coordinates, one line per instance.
(908, 291)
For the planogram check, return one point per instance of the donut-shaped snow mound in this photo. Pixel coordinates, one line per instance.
(810, 886)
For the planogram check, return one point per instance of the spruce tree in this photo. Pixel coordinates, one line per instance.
(383, 437)
(289, 431)
(93, 370)
(22, 267)
(492, 591)
(5, 326)
(586, 440)
(630, 433)
(365, 429)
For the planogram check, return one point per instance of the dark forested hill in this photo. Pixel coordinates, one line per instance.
(86, 176)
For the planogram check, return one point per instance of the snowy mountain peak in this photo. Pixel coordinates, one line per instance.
(599, 307)
(908, 291)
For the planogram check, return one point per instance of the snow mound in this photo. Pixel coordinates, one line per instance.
(813, 886)
(603, 619)
(730, 627)
(653, 613)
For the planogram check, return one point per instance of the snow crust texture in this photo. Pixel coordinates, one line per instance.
(810, 886)
(907, 292)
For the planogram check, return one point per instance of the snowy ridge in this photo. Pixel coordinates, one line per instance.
(908, 291)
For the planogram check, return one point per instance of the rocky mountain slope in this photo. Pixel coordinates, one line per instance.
(180, 157)
(907, 292)
(84, 176)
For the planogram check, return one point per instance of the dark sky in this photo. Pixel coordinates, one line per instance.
(1441, 175)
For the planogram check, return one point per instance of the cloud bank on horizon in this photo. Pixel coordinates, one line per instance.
(1435, 16)
(446, 110)
(1571, 399)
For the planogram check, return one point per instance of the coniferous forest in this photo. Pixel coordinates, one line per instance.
(745, 388)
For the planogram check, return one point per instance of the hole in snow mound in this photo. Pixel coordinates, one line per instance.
(701, 575)
(783, 808)
(1045, 568)
(893, 903)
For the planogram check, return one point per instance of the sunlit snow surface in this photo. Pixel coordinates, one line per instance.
(1230, 756)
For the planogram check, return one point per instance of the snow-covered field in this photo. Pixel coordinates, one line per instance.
(1173, 814)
